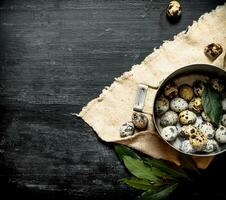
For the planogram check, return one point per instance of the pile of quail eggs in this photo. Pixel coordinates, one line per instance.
(182, 120)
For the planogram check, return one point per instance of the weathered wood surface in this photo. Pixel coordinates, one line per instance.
(57, 55)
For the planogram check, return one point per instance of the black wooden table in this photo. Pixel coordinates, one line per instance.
(57, 55)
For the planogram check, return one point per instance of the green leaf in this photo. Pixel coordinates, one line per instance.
(161, 194)
(140, 184)
(163, 166)
(211, 101)
(122, 150)
(155, 170)
(140, 170)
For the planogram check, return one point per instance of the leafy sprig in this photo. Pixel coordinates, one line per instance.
(211, 101)
(157, 178)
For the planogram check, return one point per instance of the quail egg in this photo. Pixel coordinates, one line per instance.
(205, 117)
(178, 104)
(198, 88)
(170, 118)
(127, 129)
(207, 129)
(169, 133)
(217, 85)
(161, 106)
(220, 134)
(223, 121)
(174, 10)
(140, 121)
(187, 117)
(170, 90)
(213, 50)
(186, 147)
(187, 130)
(176, 143)
(186, 92)
(224, 104)
(198, 121)
(198, 140)
(195, 105)
(211, 146)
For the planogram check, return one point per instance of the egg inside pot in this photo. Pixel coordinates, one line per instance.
(183, 115)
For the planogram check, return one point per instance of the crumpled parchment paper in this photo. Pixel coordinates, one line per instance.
(114, 106)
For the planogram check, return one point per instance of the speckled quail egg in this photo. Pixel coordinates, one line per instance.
(127, 129)
(186, 92)
(220, 134)
(195, 105)
(198, 121)
(213, 50)
(198, 88)
(178, 125)
(224, 104)
(174, 10)
(140, 121)
(170, 90)
(198, 140)
(187, 117)
(217, 84)
(176, 143)
(187, 130)
(161, 106)
(178, 104)
(223, 120)
(207, 129)
(186, 147)
(205, 117)
(169, 133)
(211, 146)
(170, 118)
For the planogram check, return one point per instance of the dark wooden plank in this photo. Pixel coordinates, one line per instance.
(56, 56)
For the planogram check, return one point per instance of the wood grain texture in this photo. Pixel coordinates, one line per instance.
(57, 55)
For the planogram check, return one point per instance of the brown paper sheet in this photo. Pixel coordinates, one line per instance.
(114, 106)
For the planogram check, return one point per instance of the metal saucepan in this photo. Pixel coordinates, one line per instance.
(200, 69)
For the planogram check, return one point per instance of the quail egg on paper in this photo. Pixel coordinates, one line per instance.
(127, 129)
(140, 121)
